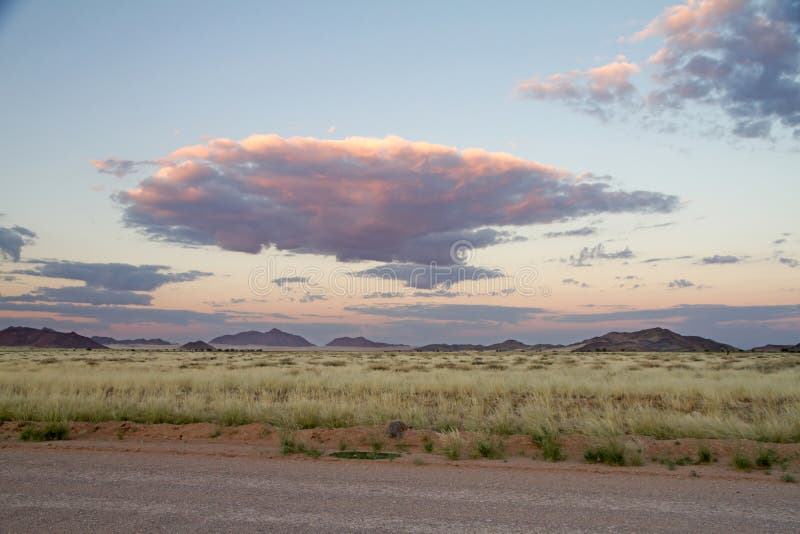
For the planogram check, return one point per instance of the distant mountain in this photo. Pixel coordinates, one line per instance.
(21, 336)
(359, 342)
(197, 345)
(141, 341)
(509, 344)
(447, 347)
(273, 338)
(777, 348)
(650, 340)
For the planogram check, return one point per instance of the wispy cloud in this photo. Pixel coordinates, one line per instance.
(361, 198)
(286, 280)
(583, 231)
(82, 295)
(451, 312)
(430, 276)
(598, 252)
(789, 261)
(718, 259)
(113, 276)
(119, 167)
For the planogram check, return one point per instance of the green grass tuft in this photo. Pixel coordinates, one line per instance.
(742, 462)
(549, 441)
(49, 432)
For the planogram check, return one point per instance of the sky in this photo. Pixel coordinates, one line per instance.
(414, 173)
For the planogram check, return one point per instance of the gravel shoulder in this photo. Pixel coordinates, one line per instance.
(125, 486)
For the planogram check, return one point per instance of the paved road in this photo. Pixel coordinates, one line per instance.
(90, 491)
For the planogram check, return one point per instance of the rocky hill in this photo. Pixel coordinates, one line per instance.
(22, 336)
(650, 340)
(272, 338)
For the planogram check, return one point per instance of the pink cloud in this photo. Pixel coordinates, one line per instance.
(588, 90)
(360, 198)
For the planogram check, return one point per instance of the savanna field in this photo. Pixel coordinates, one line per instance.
(752, 396)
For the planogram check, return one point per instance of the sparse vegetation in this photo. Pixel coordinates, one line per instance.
(290, 445)
(48, 432)
(788, 477)
(611, 450)
(742, 462)
(376, 443)
(364, 455)
(666, 396)
(452, 444)
(546, 437)
(766, 457)
(489, 446)
(704, 455)
(427, 443)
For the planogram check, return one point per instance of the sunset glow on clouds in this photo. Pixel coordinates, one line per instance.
(182, 180)
(740, 57)
(360, 199)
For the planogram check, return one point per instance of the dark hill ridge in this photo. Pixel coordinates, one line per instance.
(359, 342)
(509, 344)
(272, 338)
(140, 341)
(650, 340)
(777, 348)
(197, 345)
(22, 336)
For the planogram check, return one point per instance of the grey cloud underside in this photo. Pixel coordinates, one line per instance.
(680, 283)
(112, 276)
(432, 276)
(789, 262)
(13, 239)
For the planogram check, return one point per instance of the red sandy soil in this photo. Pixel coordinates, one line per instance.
(263, 441)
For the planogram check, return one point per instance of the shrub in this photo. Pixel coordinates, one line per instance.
(427, 444)
(547, 439)
(287, 442)
(377, 443)
(788, 477)
(452, 444)
(611, 452)
(49, 432)
(704, 455)
(490, 447)
(766, 457)
(742, 462)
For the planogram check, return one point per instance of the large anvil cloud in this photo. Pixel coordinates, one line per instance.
(360, 198)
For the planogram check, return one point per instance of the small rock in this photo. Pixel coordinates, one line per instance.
(396, 429)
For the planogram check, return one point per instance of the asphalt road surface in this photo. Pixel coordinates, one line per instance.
(90, 491)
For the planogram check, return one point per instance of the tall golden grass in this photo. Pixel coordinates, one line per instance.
(739, 395)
